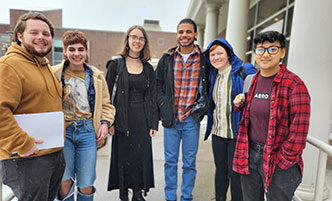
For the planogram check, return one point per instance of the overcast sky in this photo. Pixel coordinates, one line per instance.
(114, 15)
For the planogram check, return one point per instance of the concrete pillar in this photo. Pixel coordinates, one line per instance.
(200, 31)
(310, 58)
(237, 26)
(211, 23)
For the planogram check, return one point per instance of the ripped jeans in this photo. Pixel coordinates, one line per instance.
(80, 153)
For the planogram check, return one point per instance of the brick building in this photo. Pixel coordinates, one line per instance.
(103, 45)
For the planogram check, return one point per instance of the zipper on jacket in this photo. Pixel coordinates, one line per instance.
(127, 133)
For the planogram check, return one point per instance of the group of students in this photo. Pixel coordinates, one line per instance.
(257, 139)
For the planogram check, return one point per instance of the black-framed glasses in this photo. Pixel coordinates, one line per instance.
(135, 38)
(273, 50)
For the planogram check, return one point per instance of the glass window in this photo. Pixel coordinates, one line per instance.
(289, 21)
(251, 20)
(5, 43)
(266, 8)
(250, 38)
(248, 58)
(275, 24)
(57, 51)
(285, 59)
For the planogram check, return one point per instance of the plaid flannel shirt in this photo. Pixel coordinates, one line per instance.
(288, 126)
(186, 82)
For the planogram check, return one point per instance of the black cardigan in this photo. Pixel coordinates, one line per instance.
(121, 96)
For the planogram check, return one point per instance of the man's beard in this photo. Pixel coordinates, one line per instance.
(32, 50)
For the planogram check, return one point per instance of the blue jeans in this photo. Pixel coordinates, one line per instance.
(80, 153)
(188, 132)
(282, 186)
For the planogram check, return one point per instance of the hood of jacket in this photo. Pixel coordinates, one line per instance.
(40, 62)
(235, 61)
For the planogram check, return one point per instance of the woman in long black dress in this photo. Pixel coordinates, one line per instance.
(131, 83)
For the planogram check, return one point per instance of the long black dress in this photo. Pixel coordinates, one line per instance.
(131, 156)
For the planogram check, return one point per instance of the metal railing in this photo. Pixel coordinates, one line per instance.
(9, 197)
(324, 150)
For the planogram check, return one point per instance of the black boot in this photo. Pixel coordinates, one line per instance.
(137, 196)
(124, 195)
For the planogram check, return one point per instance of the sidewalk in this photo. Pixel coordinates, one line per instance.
(204, 188)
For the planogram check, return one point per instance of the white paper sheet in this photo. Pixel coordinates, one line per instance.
(48, 126)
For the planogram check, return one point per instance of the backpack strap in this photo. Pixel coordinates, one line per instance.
(247, 83)
(246, 87)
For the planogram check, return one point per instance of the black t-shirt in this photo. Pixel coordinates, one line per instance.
(260, 109)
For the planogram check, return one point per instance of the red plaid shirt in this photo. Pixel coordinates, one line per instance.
(288, 126)
(186, 81)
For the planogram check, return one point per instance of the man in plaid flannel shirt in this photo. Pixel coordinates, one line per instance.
(274, 126)
(182, 100)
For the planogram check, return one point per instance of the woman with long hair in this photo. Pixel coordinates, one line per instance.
(88, 115)
(132, 85)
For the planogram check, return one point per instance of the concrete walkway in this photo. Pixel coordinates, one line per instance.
(204, 188)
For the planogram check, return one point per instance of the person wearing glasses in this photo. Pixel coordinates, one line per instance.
(131, 81)
(225, 82)
(274, 125)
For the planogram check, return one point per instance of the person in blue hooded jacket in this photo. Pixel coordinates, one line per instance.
(225, 82)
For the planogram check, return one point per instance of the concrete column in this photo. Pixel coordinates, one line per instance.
(310, 58)
(200, 31)
(211, 23)
(237, 26)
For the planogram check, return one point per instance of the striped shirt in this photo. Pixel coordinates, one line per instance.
(186, 82)
(222, 114)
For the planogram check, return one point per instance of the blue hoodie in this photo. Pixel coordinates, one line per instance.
(237, 83)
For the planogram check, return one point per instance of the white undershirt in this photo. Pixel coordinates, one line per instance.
(185, 56)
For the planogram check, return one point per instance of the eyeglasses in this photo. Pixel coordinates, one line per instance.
(271, 50)
(135, 38)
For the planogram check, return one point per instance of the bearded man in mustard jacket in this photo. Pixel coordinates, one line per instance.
(27, 85)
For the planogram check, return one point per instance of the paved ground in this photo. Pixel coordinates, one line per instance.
(204, 190)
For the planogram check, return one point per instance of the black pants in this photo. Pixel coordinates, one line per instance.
(282, 186)
(223, 152)
(34, 179)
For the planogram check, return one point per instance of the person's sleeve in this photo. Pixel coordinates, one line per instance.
(299, 113)
(160, 81)
(154, 109)
(108, 110)
(110, 75)
(12, 137)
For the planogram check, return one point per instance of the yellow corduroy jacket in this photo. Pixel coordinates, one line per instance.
(103, 109)
(27, 85)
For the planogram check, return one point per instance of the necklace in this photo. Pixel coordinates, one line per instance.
(133, 57)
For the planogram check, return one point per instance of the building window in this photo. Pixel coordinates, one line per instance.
(266, 8)
(252, 14)
(57, 51)
(274, 24)
(267, 15)
(161, 41)
(5, 43)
